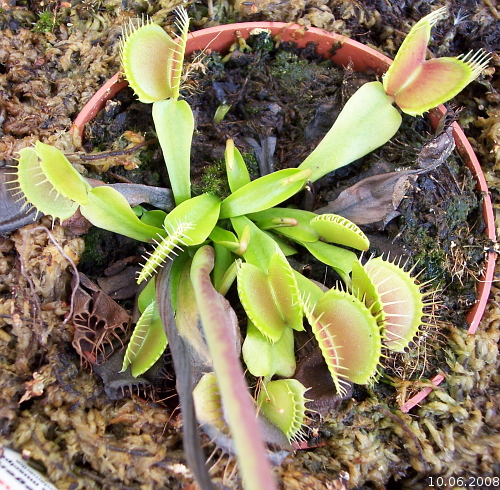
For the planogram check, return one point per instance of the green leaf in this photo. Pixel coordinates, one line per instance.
(367, 121)
(146, 296)
(271, 300)
(283, 403)
(285, 291)
(363, 287)
(401, 299)
(147, 343)
(345, 323)
(310, 291)
(108, 209)
(302, 231)
(337, 229)
(174, 123)
(61, 174)
(261, 246)
(224, 259)
(265, 192)
(282, 244)
(264, 358)
(33, 185)
(208, 403)
(152, 60)
(176, 272)
(225, 238)
(338, 258)
(202, 212)
(236, 169)
(188, 224)
(221, 235)
(155, 217)
(256, 296)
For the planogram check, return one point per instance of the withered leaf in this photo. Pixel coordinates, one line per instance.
(374, 199)
(36, 386)
(97, 319)
(122, 285)
(437, 150)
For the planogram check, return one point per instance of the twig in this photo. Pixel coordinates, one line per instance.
(117, 153)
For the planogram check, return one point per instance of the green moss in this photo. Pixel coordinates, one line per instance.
(213, 180)
(261, 41)
(458, 209)
(46, 22)
(94, 257)
(251, 163)
(292, 72)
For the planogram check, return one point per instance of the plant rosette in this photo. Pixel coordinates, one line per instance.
(345, 52)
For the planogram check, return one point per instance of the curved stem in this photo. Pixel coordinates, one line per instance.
(239, 408)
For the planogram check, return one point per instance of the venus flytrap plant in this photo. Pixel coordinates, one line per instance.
(152, 63)
(247, 237)
(413, 83)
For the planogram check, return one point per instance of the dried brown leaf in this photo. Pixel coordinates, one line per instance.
(98, 320)
(373, 199)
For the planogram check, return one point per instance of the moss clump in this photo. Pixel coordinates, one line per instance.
(46, 22)
(251, 163)
(213, 180)
(293, 72)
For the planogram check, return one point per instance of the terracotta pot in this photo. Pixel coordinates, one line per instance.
(360, 57)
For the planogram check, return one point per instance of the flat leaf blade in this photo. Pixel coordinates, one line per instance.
(367, 121)
(108, 209)
(174, 124)
(264, 193)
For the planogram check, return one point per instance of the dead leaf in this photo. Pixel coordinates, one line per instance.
(98, 321)
(122, 285)
(264, 152)
(374, 199)
(437, 150)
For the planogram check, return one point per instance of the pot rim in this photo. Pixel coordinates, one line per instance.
(342, 51)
